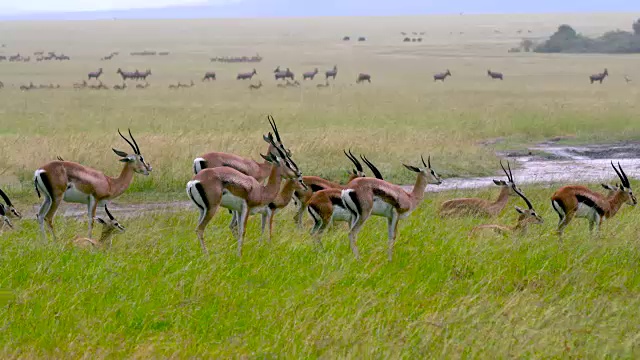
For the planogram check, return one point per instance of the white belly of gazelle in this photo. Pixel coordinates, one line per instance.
(341, 214)
(73, 195)
(381, 208)
(585, 211)
(231, 201)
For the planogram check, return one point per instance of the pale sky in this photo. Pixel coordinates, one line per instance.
(13, 6)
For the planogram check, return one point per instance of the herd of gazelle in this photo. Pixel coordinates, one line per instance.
(246, 187)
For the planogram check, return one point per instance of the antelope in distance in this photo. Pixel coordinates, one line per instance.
(141, 75)
(579, 201)
(126, 75)
(326, 84)
(482, 207)
(255, 87)
(283, 75)
(242, 194)
(316, 183)
(627, 79)
(120, 87)
(441, 76)
(143, 86)
(249, 167)
(109, 228)
(331, 73)
(246, 76)
(367, 196)
(81, 85)
(95, 74)
(209, 76)
(599, 77)
(326, 207)
(310, 74)
(363, 77)
(525, 218)
(8, 210)
(75, 183)
(495, 75)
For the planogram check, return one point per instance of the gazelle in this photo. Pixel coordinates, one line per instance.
(255, 87)
(482, 207)
(367, 196)
(316, 183)
(579, 201)
(259, 171)
(326, 206)
(75, 183)
(120, 87)
(109, 228)
(7, 210)
(229, 188)
(525, 218)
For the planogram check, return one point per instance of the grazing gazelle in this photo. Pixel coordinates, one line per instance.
(109, 227)
(578, 201)
(525, 218)
(368, 196)
(75, 183)
(259, 171)
(229, 188)
(256, 87)
(326, 206)
(482, 207)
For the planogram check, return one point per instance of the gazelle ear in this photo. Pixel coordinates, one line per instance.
(126, 159)
(499, 182)
(99, 220)
(120, 153)
(518, 209)
(412, 168)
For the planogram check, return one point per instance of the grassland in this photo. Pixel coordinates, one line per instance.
(155, 295)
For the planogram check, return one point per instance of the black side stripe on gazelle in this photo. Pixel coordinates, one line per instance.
(47, 184)
(354, 198)
(590, 203)
(562, 208)
(202, 194)
(316, 188)
(336, 201)
(194, 200)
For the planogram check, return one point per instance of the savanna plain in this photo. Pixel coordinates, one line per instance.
(154, 294)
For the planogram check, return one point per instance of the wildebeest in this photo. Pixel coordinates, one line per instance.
(346, 38)
(95, 74)
(126, 74)
(287, 74)
(363, 77)
(407, 39)
(3, 58)
(246, 76)
(495, 75)
(310, 74)
(441, 76)
(362, 38)
(209, 76)
(332, 73)
(142, 75)
(599, 77)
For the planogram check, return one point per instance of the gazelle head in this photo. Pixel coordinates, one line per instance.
(135, 159)
(358, 171)
(448, 72)
(288, 168)
(8, 209)
(510, 183)
(278, 141)
(528, 216)
(426, 171)
(111, 224)
(625, 186)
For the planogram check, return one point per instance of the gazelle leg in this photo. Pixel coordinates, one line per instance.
(300, 215)
(205, 216)
(91, 212)
(44, 210)
(242, 221)
(562, 224)
(233, 226)
(55, 203)
(272, 214)
(353, 233)
(392, 228)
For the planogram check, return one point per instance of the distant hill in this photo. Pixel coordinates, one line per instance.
(298, 8)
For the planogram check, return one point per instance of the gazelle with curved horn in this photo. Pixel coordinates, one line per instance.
(75, 183)
(259, 171)
(109, 228)
(579, 201)
(8, 209)
(525, 218)
(482, 207)
(316, 183)
(367, 196)
(229, 188)
(326, 206)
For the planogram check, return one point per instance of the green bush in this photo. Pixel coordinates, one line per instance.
(567, 40)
